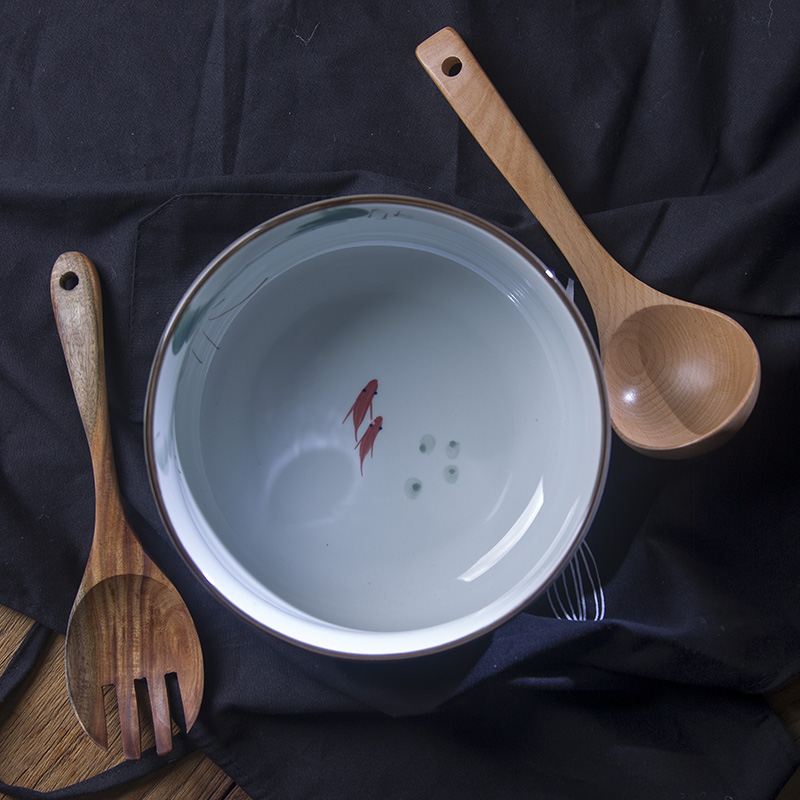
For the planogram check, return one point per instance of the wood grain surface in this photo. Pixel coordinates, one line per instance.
(128, 622)
(43, 747)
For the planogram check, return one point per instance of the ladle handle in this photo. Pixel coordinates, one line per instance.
(469, 91)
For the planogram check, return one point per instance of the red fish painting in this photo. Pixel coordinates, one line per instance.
(367, 442)
(362, 404)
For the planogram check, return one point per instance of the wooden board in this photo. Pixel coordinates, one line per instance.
(43, 747)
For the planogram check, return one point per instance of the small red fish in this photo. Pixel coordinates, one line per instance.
(367, 442)
(362, 404)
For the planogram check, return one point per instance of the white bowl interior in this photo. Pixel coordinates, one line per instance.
(348, 537)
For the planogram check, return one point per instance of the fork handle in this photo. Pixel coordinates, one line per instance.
(77, 306)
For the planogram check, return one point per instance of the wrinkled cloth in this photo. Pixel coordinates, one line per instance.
(151, 135)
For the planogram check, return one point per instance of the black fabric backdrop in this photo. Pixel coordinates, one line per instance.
(149, 135)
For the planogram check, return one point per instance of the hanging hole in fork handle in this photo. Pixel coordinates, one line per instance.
(451, 66)
(68, 281)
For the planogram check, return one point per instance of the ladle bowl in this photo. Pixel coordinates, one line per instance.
(675, 383)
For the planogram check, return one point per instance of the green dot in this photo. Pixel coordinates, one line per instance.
(413, 487)
(451, 473)
(452, 448)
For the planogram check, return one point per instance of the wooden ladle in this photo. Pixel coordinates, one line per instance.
(681, 378)
(128, 623)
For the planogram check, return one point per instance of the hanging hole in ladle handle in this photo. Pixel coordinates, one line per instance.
(451, 66)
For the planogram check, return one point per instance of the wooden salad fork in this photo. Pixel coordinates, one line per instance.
(128, 623)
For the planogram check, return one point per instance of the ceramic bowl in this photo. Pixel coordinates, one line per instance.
(376, 427)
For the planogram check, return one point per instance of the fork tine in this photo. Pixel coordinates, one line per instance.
(129, 721)
(159, 706)
(190, 698)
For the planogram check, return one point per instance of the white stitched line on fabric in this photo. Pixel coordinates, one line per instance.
(577, 593)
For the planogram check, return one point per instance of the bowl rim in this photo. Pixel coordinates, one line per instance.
(219, 260)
